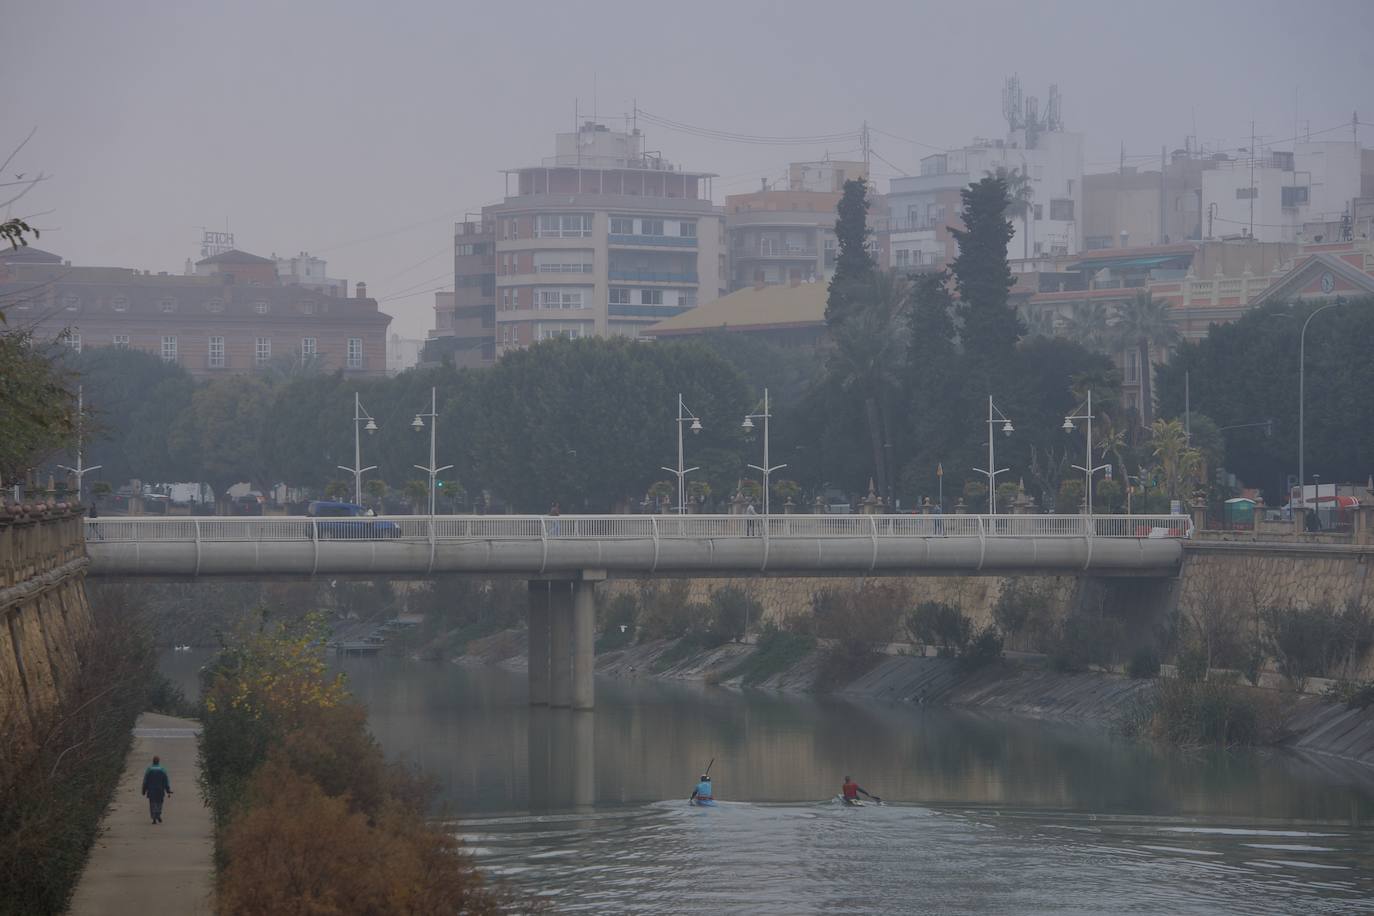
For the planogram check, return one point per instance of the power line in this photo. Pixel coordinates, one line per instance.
(904, 172)
(729, 136)
(406, 289)
(938, 149)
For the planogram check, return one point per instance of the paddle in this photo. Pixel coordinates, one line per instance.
(706, 772)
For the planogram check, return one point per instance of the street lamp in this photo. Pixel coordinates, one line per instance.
(683, 415)
(418, 424)
(992, 469)
(1302, 356)
(359, 415)
(1087, 466)
(766, 469)
(80, 471)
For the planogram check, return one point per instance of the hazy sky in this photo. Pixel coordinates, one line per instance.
(360, 131)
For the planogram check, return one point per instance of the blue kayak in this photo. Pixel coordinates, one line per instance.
(703, 802)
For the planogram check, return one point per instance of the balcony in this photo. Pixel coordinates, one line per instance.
(651, 276)
(657, 312)
(660, 241)
(777, 253)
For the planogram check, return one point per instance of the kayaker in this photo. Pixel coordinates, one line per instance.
(851, 790)
(702, 793)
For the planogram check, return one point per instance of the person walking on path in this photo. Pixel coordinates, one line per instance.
(156, 784)
(554, 511)
(751, 518)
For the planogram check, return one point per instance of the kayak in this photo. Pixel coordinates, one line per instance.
(849, 803)
(703, 802)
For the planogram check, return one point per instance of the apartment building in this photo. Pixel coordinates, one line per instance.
(1132, 207)
(232, 316)
(1272, 194)
(465, 318)
(603, 238)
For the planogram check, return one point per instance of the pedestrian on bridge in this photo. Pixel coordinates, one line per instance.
(554, 512)
(751, 518)
(156, 784)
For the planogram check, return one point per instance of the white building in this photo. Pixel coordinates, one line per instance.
(402, 353)
(921, 205)
(309, 272)
(1273, 193)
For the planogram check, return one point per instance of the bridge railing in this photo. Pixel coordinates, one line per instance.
(603, 527)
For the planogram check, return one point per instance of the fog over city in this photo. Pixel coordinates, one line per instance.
(360, 132)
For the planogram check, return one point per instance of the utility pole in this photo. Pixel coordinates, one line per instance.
(1163, 196)
(1252, 179)
(864, 143)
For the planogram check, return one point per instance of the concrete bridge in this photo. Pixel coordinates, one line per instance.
(564, 557)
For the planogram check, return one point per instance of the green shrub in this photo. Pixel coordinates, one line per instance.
(1023, 610)
(1316, 641)
(1192, 664)
(866, 616)
(167, 698)
(664, 612)
(1203, 712)
(1144, 663)
(617, 623)
(984, 648)
(776, 651)
(935, 623)
(732, 610)
(680, 651)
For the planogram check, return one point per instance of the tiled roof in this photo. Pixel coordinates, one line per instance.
(73, 291)
(754, 308)
(27, 254)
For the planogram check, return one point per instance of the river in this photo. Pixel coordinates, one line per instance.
(982, 814)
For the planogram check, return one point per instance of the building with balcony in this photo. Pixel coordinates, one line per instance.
(232, 316)
(465, 319)
(603, 238)
(779, 237)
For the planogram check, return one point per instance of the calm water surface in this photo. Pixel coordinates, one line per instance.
(983, 815)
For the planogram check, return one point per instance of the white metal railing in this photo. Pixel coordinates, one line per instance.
(610, 527)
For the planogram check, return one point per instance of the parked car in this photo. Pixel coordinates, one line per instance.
(361, 521)
(250, 504)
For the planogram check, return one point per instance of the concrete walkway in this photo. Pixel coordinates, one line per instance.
(136, 867)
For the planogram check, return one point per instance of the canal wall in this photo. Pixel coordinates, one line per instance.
(46, 617)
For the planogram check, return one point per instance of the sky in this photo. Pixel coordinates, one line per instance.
(360, 132)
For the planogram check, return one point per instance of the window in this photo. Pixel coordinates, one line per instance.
(72, 338)
(1294, 195)
(215, 355)
(687, 300)
(620, 295)
(563, 225)
(71, 303)
(687, 230)
(902, 257)
(651, 227)
(1247, 193)
(622, 225)
(167, 306)
(355, 353)
(308, 350)
(1061, 208)
(120, 340)
(651, 297)
(1097, 242)
(169, 349)
(261, 307)
(560, 299)
(555, 333)
(262, 351)
(307, 308)
(215, 305)
(1038, 211)
(120, 303)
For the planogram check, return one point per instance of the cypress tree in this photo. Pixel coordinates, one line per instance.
(853, 264)
(982, 277)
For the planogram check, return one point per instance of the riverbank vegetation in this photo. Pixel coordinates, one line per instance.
(54, 789)
(309, 815)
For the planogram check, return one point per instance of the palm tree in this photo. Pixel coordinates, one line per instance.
(1179, 464)
(1019, 197)
(1039, 322)
(870, 352)
(1145, 324)
(1087, 325)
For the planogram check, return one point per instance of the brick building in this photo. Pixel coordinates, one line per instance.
(233, 316)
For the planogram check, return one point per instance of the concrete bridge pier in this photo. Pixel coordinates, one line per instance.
(539, 642)
(562, 637)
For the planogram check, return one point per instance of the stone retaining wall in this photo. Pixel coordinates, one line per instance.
(44, 615)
